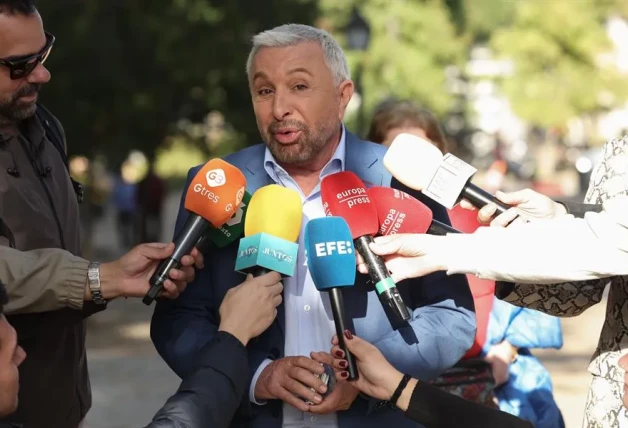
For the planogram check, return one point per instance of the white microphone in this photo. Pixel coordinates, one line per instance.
(420, 165)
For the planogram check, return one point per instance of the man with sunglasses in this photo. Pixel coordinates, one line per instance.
(52, 289)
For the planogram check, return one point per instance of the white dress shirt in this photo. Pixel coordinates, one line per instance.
(545, 251)
(309, 319)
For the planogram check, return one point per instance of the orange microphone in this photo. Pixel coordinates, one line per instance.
(212, 199)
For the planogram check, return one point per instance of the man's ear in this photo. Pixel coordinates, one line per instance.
(345, 90)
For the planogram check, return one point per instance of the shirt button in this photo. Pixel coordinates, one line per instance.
(313, 419)
(307, 308)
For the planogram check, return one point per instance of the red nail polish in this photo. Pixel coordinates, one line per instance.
(344, 374)
(340, 354)
(348, 334)
(343, 364)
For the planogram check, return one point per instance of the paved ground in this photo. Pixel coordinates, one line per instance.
(130, 381)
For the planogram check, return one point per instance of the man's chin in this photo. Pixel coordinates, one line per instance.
(287, 153)
(24, 110)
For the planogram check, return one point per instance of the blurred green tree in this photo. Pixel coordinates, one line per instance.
(412, 43)
(563, 65)
(126, 72)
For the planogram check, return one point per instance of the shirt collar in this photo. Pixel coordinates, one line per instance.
(335, 164)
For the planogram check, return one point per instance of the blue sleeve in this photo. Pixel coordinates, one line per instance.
(532, 329)
(442, 327)
(181, 328)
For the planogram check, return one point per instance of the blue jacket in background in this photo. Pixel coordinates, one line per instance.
(528, 393)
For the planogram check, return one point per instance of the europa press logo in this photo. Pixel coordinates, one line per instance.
(216, 177)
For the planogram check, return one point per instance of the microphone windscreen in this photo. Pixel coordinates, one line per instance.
(330, 252)
(234, 227)
(344, 195)
(215, 192)
(274, 210)
(399, 212)
(412, 160)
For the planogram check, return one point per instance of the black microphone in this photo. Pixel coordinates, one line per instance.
(212, 198)
(331, 262)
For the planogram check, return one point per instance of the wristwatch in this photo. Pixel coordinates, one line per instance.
(93, 279)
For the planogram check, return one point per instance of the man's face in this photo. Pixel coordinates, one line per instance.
(20, 36)
(297, 105)
(11, 356)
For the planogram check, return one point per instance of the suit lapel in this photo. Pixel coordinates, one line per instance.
(256, 177)
(361, 159)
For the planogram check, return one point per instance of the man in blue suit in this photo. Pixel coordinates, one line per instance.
(300, 87)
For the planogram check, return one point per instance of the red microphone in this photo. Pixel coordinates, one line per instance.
(344, 195)
(399, 212)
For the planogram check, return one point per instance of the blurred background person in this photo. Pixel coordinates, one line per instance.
(124, 197)
(517, 381)
(151, 192)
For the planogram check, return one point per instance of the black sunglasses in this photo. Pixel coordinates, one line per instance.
(21, 67)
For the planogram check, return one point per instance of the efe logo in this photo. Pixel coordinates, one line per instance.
(324, 249)
(216, 178)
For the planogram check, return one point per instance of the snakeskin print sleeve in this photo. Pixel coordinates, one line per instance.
(608, 180)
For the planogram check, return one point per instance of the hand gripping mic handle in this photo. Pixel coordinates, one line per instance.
(259, 271)
(159, 277)
(384, 284)
(189, 236)
(338, 309)
(480, 198)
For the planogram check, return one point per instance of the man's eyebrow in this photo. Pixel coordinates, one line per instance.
(300, 70)
(259, 75)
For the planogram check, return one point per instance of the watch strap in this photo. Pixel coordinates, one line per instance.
(93, 280)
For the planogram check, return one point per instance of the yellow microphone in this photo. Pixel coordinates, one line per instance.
(271, 229)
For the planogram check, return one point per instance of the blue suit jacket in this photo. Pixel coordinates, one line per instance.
(442, 327)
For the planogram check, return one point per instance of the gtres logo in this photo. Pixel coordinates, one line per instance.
(216, 178)
(199, 188)
(324, 249)
(353, 197)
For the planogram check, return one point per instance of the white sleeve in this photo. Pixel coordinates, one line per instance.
(546, 251)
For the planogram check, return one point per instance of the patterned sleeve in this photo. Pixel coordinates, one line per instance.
(608, 180)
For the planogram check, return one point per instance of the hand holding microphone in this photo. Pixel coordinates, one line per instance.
(420, 165)
(212, 198)
(344, 195)
(526, 205)
(331, 260)
(409, 255)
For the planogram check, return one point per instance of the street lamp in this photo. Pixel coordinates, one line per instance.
(358, 35)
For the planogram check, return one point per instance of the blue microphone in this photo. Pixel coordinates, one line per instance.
(331, 261)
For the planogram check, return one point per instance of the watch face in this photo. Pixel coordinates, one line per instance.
(329, 379)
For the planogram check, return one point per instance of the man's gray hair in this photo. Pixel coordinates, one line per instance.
(294, 34)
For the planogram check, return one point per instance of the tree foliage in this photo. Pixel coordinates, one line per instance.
(560, 67)
(126, 71)
(412, 43)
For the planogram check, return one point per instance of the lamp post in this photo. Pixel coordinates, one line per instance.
(358, 35)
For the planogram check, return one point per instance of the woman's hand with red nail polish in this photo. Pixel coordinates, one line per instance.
(377, 379)
(325, 358)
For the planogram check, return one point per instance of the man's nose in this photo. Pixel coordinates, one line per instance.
(281, 106)
(39, 75)
(20, 355)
